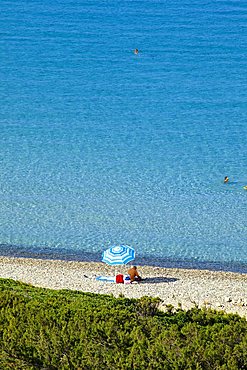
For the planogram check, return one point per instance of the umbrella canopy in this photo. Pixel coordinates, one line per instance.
(118, 255)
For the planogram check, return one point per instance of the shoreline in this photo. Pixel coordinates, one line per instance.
(218, 290)
(45, 253)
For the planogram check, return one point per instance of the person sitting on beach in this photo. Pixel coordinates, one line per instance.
(134, 276)
(226, 179)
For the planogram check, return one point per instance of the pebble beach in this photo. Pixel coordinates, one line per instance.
(225, 291)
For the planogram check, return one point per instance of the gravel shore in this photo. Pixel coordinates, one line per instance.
(219, 290)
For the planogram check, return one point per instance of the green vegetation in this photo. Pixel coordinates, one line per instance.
(46, 329)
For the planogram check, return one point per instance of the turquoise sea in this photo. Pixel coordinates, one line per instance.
(99, 146)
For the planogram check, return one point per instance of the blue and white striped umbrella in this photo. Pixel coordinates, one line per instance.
(118, 255)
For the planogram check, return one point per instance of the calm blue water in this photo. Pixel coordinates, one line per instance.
(99, 146)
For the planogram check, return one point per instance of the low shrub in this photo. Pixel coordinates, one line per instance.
(47, 329)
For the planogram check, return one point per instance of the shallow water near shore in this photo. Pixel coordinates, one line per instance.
(99, 146)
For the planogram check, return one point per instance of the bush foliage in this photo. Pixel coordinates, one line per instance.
(47, 329)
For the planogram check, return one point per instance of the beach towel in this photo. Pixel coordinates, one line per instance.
(109, 279)
(127, 279)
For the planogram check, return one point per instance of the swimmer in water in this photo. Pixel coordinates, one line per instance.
(226, 179)
(136, 51)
